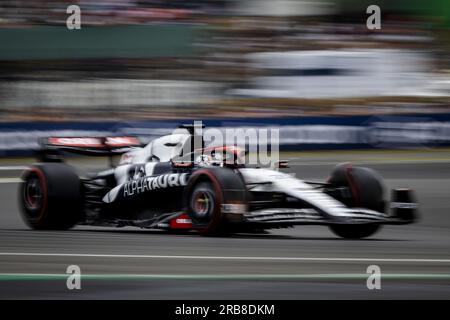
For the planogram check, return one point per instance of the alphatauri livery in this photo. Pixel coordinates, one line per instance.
(172, 184)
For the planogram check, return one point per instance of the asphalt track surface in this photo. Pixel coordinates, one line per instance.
(305, 262)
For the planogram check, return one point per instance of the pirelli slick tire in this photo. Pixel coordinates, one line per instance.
(50, 197)
(367, 191)
(207, 190)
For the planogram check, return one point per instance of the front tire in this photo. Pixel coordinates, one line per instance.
(367, 190)
(205, 208)
(50, 197)
(208, 190)
(349, 231)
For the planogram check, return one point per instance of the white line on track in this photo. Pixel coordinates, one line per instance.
(10, 180)
(185, 257)
(12, 168)
(319, 276)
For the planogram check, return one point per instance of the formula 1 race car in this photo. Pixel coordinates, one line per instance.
(169, 184)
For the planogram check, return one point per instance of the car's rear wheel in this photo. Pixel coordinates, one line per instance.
(50, 196)
(367, 191)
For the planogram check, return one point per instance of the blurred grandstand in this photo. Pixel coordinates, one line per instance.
(159, 59)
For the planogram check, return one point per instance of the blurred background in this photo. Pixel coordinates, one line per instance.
(226, 60)
(311, 69)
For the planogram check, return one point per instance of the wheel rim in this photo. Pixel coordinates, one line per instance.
(33, 193)
(202, 204)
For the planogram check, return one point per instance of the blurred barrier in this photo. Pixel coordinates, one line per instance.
(319, 74)
(57, 42)
(106, 93)
(307, 133)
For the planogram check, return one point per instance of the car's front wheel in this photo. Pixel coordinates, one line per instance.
(205, 207)
(367, 191)
(356, 231)
(209, 190)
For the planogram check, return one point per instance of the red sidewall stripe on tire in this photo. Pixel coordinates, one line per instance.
(217, 202)
(43, 181)
(353, 186)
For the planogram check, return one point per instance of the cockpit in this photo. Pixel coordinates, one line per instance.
(184, 148)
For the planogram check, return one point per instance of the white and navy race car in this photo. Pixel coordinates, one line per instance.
(170, 184)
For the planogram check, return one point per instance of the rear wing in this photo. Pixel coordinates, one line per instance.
(52, 147)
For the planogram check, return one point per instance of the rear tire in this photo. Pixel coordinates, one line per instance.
(367, 191)
(50, 197)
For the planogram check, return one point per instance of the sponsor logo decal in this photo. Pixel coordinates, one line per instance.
(122, 141)
(77, 142)
(234, 208)
(181, 222)
(153, 183)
